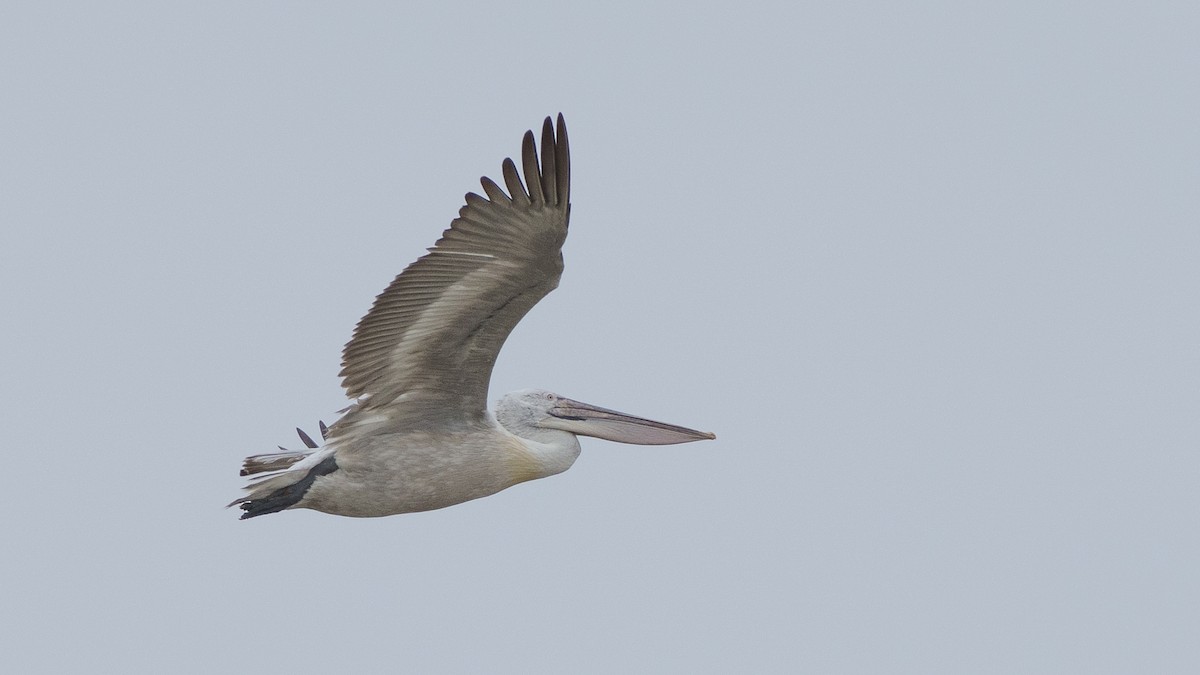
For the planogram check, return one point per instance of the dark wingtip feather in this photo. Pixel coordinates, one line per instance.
(493, 191)
(529, 162)
(549, 175)
(513, 180)
(562, 163)
(306, 438)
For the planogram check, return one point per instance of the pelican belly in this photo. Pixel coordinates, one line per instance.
(389, 474)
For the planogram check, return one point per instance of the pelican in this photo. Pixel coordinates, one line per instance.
(419, 435)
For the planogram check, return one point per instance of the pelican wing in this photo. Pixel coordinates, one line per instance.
(425, 350)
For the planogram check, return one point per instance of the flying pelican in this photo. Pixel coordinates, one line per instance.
(419, 436)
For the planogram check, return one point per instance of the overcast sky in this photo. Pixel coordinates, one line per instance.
(929, 272)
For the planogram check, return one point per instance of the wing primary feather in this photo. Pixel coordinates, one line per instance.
(494, 192)
(549, 189)
(513, 180)
(529, 162)
(562, 163)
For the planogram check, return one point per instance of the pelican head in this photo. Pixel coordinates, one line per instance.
(528, 412)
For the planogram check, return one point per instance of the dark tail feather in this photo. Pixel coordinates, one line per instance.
(289, 496)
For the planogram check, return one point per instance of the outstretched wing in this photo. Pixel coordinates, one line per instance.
(425, 350)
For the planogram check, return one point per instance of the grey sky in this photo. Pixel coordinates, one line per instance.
(929, 272)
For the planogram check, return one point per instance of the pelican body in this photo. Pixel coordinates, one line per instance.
(419, 436)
